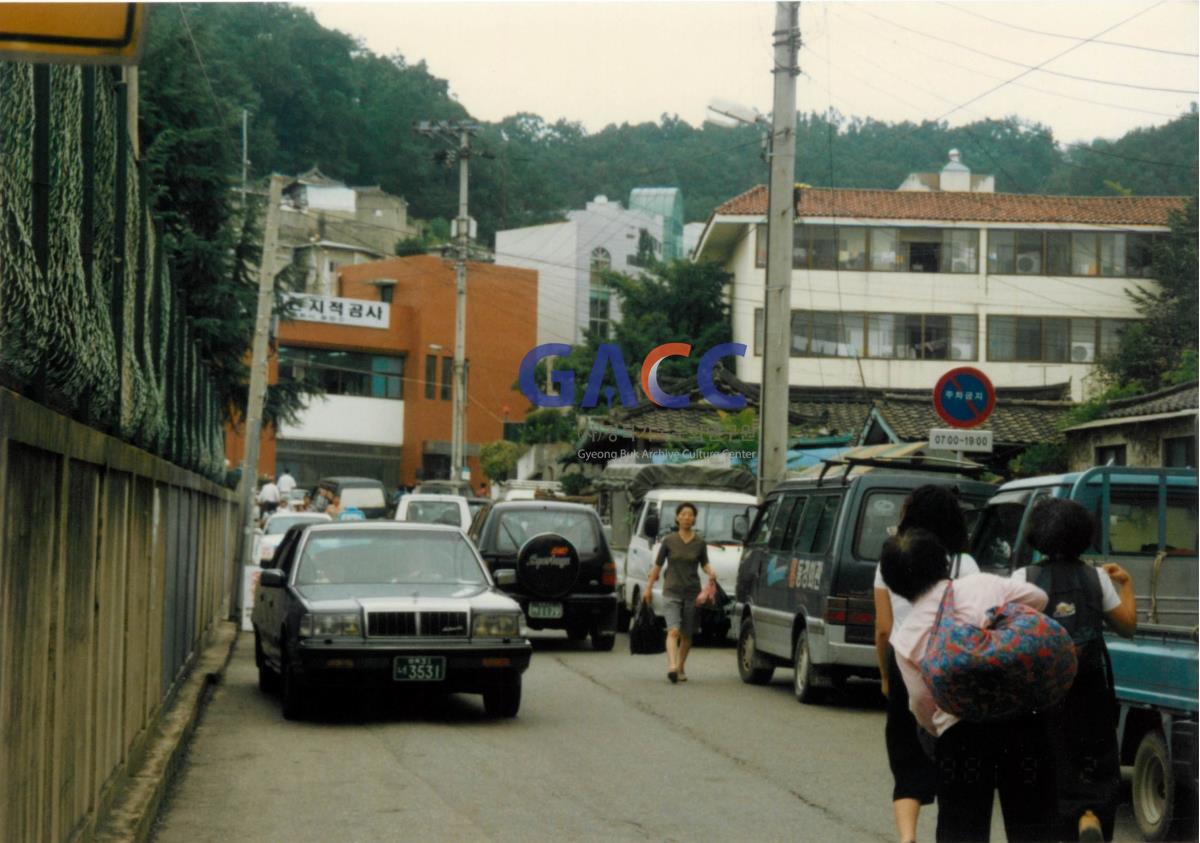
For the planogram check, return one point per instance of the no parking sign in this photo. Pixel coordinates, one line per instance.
(964, 397)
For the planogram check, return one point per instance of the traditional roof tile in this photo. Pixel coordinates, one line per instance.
(1173, 399)
(952, 206)
(1014, 421)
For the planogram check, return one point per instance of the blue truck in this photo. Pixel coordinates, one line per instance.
(1147, 523)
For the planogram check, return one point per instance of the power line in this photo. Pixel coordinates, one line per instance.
(1040, 66)
(966, 11)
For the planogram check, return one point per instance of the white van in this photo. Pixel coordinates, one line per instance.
(435, 509)
(715, 511)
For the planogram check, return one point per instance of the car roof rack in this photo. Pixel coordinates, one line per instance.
(916, 462)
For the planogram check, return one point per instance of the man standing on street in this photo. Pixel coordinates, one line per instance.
(268, 497)
(286, 483)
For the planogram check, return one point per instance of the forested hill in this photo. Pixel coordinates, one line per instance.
(318, 98)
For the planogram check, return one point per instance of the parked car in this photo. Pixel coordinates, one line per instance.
(443, 487)
(295, 499)
(277, 524)
(363, 493)
(806, 576)
(435, 509)
(565, 576)
(1146, 521)
(385, 605)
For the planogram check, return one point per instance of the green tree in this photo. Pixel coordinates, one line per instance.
(1160, 349)
(499, 459)
(548, 425)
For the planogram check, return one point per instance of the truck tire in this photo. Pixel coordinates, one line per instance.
(1154, 788)
(752, 668)
(805, 673)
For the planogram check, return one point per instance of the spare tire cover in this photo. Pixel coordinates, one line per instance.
(548, 565)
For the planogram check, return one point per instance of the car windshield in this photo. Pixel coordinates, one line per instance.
(282, 523)
(379, 557)
(714, 521)
(881, 513)
(517, 526)
(369, 497)
(434, 512)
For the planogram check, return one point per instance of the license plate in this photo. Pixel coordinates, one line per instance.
(545, 611)
(419, 668)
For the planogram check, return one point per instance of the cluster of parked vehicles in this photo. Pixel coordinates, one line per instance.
(442, 592)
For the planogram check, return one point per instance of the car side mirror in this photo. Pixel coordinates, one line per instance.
(271, 578)
(741, 525)
(505, 576)
(651, 527)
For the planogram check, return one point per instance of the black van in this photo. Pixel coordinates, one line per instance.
(364, 493)
(806, 579)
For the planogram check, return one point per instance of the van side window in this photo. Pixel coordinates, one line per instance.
(761, 528)
(787, 524)
(822, 517)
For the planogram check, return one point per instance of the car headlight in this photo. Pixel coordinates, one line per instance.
(330, 625)
(490, 625)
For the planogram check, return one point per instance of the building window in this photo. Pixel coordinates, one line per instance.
(1110, 455)
(386, 291)
(885, 336)
(1051, 339)
(1179, 452)
(345, 372)
(430, 376)
(599, 313)
(1110, 253)
(447, 377)
(884, 246)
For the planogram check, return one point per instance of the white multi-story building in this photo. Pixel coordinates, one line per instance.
(569, 257)
(890, 288)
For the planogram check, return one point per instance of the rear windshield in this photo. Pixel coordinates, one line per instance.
(880, 514)
(517, 526)
(434, 512)
(364, 497)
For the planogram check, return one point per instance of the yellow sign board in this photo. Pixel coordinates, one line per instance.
(71, 33)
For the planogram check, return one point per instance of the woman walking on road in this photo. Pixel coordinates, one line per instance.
(684, 553)
(914, 776)
(1081, 731)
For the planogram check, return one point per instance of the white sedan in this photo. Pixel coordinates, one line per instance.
(271, 533)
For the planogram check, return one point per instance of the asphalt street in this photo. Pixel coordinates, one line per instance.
(604, 748)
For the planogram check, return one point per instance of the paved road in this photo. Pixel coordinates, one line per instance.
(604, 747)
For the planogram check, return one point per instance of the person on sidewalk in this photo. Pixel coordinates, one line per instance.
(1081, 731)
(286, 483)
(684, 553)
(268, 497)
(914, 776)
(974, 760)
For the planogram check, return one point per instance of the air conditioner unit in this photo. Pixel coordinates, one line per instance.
(1029, 264)
(1080, 353)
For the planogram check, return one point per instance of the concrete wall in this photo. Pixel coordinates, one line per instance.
(1143, 441)
(349, 418)
(114, 564)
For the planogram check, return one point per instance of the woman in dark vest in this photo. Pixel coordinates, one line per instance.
(684, 553)
(1082, 730)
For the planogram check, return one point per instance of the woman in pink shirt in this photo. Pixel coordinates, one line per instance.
(974, 759)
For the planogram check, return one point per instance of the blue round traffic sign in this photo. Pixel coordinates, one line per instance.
(964, 397)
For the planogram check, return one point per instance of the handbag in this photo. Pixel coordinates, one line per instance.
(646, 637)
(1020, 660)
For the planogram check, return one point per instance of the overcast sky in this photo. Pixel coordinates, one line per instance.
(601, 63)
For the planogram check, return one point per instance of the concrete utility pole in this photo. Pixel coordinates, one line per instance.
(258, 364)
(773, 398)
(461, 132)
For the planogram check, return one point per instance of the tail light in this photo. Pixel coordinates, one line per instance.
(849, 611)
(835, 610)
(608, 574)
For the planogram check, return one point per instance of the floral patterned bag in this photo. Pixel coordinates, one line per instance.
(1019, 661)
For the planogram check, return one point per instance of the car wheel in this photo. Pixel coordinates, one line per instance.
(1153, 787)
(802, 680)
(503, 699)
(291, 693)
(603, 640)
(750, 664)
(577, 632)
(268, 680)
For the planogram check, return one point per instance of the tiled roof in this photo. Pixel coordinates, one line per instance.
(965, 207)
(1013, 422)
(1184, 396)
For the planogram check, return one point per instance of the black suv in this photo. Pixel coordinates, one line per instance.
(565, 575)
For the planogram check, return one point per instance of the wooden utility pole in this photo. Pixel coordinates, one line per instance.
(773, 397)
(258, 364)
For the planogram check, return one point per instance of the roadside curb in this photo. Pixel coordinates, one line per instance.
(132, 816)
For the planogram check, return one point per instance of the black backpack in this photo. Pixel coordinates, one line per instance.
(1077, 603)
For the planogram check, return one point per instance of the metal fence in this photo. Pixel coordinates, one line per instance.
(90, 317)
